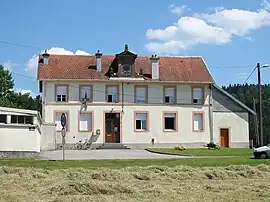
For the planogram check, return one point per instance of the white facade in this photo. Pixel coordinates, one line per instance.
(20, 132)
(188, 104)
(237, 125)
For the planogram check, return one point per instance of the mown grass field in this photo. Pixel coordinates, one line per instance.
(225, 175)
(152, 183)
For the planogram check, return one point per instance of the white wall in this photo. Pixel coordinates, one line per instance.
(48, 137)
(155, 107)
(185, 132)
(238, 126)
(155, 92)
(19, 138)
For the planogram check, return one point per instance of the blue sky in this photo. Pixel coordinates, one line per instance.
(232, 36)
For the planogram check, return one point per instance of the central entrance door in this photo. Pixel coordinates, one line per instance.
(112, 127)
(224, 137)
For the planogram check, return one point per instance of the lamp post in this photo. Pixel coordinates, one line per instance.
(260, 101)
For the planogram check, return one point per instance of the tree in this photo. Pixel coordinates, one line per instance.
(6, 82)
(245, 93)
(9, 98)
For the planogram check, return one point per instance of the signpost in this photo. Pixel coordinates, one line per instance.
(63, 132)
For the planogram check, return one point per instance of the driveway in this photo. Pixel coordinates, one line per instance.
(104, 154)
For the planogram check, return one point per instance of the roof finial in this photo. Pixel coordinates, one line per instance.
(126, 47)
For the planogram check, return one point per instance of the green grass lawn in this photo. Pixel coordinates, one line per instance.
(244, 152)
(194, 162)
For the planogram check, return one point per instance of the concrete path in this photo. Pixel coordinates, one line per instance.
(104, 154)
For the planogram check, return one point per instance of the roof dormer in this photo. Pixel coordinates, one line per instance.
(126, 63)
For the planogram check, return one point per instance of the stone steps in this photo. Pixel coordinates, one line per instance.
(112, 146)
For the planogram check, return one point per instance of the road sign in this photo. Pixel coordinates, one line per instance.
(63, 120)
(63, 132)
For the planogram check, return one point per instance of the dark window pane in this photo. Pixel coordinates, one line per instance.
(3, 118)
(21, 119)
(14, 119)
(29, 120)
(110, 98)
(138, 124)
(170, 123)
(59, 98)
(167, 99)
(64, 98)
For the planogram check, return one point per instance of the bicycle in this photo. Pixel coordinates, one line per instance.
(83, 146)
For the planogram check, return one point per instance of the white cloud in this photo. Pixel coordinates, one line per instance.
(9, 65)
(25, 91)
(187, 32)
(218, 27)
(266, 5)
(178, 10)
(249, 38)
(236, 21)
(32, 63)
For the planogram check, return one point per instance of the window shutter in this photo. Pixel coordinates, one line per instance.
(170, 115)
(198, 122)
(85, 122)
(140, 94)
(141, 116)
(169, 95)
(58, 122)
(61, 90)
(197, 93)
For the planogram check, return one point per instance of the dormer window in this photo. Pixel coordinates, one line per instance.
(126, 69)
(125, 62)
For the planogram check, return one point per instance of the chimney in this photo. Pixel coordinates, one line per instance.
(155, 66)
(98, 61)
(45, 57)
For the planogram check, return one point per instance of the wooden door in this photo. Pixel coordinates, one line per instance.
(224, 137)
(112, 128)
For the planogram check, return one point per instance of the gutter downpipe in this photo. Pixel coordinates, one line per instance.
(210, 112)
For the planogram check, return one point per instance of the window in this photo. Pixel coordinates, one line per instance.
(22, 119)
(170, 95)
(61, 93)
(85, 122)
(198, 122)
(3, 118)
(86, 92)
(58, 121)
(126, 69)
(141, 94)
(112, 92)
(170, 121)
(197, 95)
(141, 121)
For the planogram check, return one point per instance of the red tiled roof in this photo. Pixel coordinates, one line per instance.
(180, 69)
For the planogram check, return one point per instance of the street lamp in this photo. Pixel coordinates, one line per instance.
(260, 101)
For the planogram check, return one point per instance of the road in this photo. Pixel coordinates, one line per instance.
(104, 154)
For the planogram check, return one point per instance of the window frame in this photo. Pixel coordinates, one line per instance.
(147, 122)
(202, 120)
(175, 93)
(24, 119)
(90, 93)
(68, 119)
(117, 92)
(67, 89)
(192, 95)
(146, 93)
(176, 121)
(91, 113)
